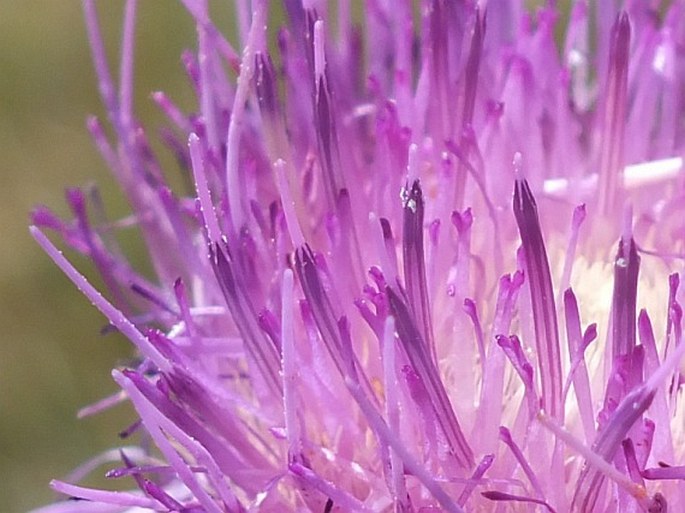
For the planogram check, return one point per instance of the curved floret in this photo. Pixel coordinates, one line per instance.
(427, 259)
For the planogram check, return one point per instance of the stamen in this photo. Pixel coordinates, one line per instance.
(162, 428)
(324, 117)
(502, 496)
(626, 268)
(512, 348)
(234, 179)
(663, 439)
(126, 67)
(322, 310)
(469, 101)
(122, 499)
(319, 52)
(262, 353)
(156, 492)
(114, 316)
(392, 410)
(414, 264)
(477, 475)
(578, 373)
(668, 472)
(294, 229)
(470, 309)
(289, 366)
(104, 147)
(613, 131)
(339, 496)
(172, 112)
(576, 222)
(491, 395)
(542, 299)
(423, 364)
(391, 438)
(606, 445)
(631, 461)
(591, 457)
(463, 222)
(101, 405)
(265, 84)
(505, 436)
(105, 82)
(197, 10)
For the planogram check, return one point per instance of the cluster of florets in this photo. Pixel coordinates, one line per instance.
(349, 313)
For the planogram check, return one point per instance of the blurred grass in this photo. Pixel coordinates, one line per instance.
(52, 358)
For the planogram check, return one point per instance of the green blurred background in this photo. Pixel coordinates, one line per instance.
(53, 359)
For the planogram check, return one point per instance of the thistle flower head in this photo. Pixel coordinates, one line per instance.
(417, 268)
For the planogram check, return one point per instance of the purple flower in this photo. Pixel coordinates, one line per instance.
(406, 276)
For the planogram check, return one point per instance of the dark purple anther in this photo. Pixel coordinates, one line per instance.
(414, 264)
(623, 320)
(322, 311)
(542, 299)
(265, 83)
